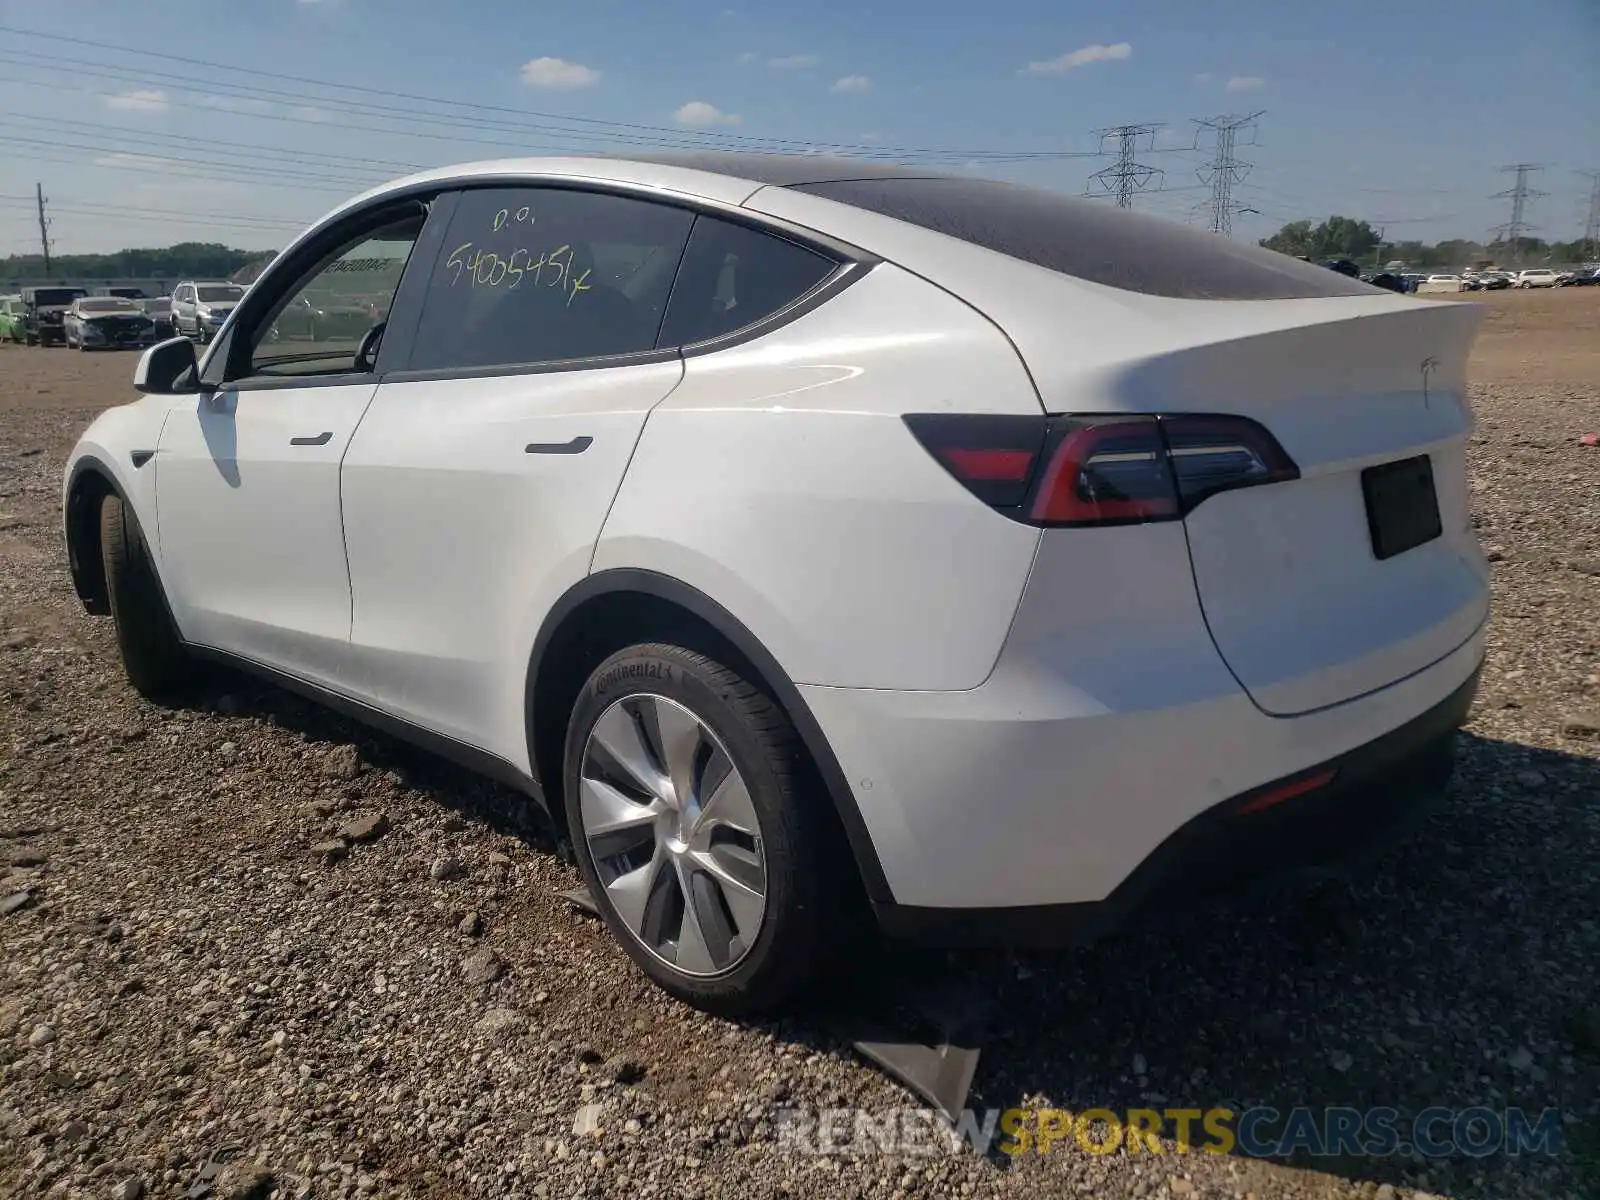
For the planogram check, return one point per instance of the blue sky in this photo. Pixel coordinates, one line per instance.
(1399, 111)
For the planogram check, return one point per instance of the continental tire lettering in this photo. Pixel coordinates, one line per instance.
(631, 672)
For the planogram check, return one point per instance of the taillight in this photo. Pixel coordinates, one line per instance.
(1110, 470)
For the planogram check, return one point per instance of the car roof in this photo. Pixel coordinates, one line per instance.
(728, 177)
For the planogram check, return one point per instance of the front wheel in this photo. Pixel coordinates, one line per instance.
(152, 653)
(701, 831)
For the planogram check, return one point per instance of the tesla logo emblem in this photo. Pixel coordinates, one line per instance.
(1429, 366)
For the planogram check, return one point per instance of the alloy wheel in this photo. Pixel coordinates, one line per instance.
(673, 834)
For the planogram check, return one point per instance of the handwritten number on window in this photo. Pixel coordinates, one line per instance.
(486, 268)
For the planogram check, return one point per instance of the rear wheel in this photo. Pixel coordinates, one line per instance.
(700, 831)
(152, 653)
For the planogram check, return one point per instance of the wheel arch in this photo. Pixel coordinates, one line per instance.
(89, 483)
(622, 606)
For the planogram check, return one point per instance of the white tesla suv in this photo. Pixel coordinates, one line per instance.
(812, 538)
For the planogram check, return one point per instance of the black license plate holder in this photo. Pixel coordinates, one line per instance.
(1402, 505)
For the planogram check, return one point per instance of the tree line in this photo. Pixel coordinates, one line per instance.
(186, 260)
(1346, 237)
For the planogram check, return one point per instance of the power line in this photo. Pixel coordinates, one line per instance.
(1225, 169)
(1519, 194)
(1127, 175)
(589, 129)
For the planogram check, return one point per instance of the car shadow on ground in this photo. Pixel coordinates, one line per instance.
(1422, 983)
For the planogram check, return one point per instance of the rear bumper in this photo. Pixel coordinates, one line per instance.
(1082, 772)
(1308, 824)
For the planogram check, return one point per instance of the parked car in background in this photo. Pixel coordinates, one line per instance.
(159, 310)
(43, 309)
(323, 318)
(10, 318)
(107, 323)
(646, 497)
(200, 308)
(1495, 281)
(127, 293)
(1580, 277)
(1538, 277)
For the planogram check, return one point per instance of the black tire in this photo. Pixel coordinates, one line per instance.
(152, 654)
(807, 876)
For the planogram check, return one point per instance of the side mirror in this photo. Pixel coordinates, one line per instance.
(167, 369)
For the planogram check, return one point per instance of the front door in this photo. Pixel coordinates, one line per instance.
(247, 475)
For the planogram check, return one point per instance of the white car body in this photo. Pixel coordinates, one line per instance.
(1538, 277)
(1011, 720)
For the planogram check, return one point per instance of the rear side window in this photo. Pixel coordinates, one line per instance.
(1092, 241)
(733, 276)
(531, 275)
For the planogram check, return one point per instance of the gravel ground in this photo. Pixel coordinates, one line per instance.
(245, 931)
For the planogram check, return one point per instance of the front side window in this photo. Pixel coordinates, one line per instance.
(531, 275)
(734, 276)
(319, 327)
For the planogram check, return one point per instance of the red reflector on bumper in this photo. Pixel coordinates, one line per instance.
(1287, 791)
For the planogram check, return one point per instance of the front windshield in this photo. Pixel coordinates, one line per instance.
(108, 305)
(215, 294)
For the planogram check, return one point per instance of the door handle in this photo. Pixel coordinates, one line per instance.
(576, 446)
(322, 439)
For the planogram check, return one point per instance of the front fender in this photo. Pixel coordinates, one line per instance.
(118, 451)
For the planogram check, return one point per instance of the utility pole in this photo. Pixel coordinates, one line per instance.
(1225, 168)
(1127, 175)
(1591, 227)
(44, 227)
(1519, 194)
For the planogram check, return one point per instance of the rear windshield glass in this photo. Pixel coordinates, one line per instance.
(61, 296)
(1092, 240)
(221, 293)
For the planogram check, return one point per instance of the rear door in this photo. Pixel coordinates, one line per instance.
(476, 487)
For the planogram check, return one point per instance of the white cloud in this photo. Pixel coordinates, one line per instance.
(872, 135)
(852, 83)
(793, 62)
(139, 100)
(1244, 83)
(121, 159)
(1203, 77)
(1081, 57)
(558, 73)
(698, 112)
(749, 56)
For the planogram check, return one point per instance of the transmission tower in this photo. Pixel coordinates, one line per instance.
(1519, 194)
(1127, 175)
(1591, 226)
(1225, 168)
